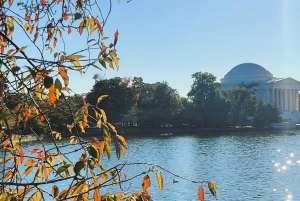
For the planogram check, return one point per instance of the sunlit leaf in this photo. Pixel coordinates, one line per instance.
(115, 58)
(101, 98)
(39, 172)
(74, 57)
(97, 195)
(201, 193)
(103, 115)
(8, 175)
(29, 162)
(9, 158)
(51, 94)
(77, 65)
(22, 48)
(69, 30)
(212, 186)
(21, 155)
(146, 183)
(54, 191)
(62, 168)
(10, 24)
(38, 195)
(160, 181)
(81, 26)
(63, 73)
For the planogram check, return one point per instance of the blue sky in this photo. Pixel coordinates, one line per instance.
(167, 40)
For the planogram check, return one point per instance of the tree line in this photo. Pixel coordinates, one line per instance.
(158, 104)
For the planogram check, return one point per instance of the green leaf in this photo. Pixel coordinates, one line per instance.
(118, 149)
(62, 168)
(48, 82)
(10, 24)
(78, 166)
(102, 63)
(58, 85)
(113, 55)
(79, 114)
(93, 151)
(77, 65)
(91, 164)
(77, 16)
(108, 151)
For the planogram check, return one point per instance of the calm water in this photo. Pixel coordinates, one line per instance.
(246, 166)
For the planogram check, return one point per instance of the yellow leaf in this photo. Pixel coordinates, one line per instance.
(59, 158)
(55, 191)
(63, 73)
(92, 26)
(74, 57)
(77, 65)
(38, 195)
(201, 193)
(21, 48)
(123, 144)
(101, 98)
(109, 61)
(103, 115)
(28, 170)
(77, 191)
(160, 181)
(29, 162)
(212, 186)
(38, 174)
(115, 58)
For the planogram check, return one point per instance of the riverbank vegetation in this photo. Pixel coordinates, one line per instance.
(36, 56)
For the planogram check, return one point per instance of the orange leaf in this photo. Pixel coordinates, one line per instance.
(35, 150)
(63, 73)
(8, 175)
(57, 2)
(43, 3)
(201, 193)
(5, 143)
(69, 30)
(9, 158)
(81, 26)
(21, 155)
(116, 34)
(51, 94)
(66, 18)
(54, 42)
(97, 195)
(97, 140)
(26, 15)
(146, 183)
(10, 51)
(42, 118)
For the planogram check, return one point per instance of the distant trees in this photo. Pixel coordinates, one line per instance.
(157, 104)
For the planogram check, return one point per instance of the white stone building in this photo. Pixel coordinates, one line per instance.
(282, 91)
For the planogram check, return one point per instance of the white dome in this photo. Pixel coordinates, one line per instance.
(246, 73)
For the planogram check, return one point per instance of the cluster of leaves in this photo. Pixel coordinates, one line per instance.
(31, 32)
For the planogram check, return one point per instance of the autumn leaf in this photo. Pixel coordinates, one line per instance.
(54, 42)
(101, 98)
(21, 155)
(63, 73)
(54, 191)
(51, 95)
(74, 57)
(146, 183)
(77, 65)
(116, 35)
(97, 195)
(69, 30)
(29, 162)
(212, 186)
(43, 3)
(201, 193)
(36, 150)
(62, 169)
(160, 181)
(10, 51)
(115, 58)
(81, 26)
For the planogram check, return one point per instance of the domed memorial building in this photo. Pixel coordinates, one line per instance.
(282, 91)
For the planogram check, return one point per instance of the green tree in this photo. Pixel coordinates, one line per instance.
(243, 104)
(205, 98)
(120, 97)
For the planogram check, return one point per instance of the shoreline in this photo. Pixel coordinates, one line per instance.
(136, 131)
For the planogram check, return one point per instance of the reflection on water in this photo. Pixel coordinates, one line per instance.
(246, 166)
